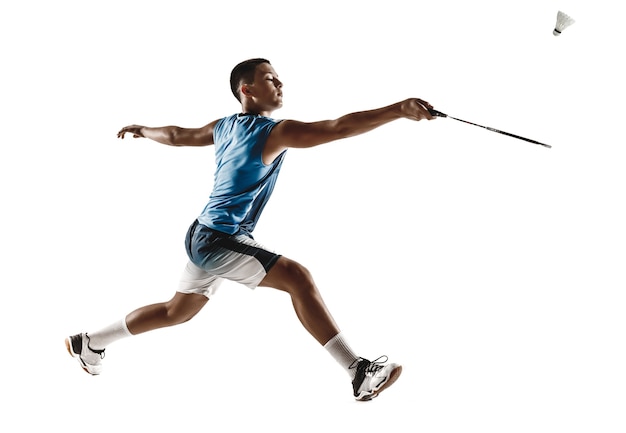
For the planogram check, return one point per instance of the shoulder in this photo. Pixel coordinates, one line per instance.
(221, 124)
(223, 120)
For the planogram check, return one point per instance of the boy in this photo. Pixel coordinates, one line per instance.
(250, 147)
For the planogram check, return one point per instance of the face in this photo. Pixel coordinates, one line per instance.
(265, 93)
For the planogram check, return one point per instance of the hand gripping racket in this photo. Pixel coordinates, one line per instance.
(440, 114)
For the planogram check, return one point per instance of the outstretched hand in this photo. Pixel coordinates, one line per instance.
(131, 129)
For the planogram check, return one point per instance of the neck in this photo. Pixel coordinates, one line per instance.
(252, 109)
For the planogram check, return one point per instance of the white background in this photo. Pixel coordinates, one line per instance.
(491, 268)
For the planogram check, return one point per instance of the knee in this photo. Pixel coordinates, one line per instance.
(299, 279)
(299, 272)
(180, 312)
(175, 316)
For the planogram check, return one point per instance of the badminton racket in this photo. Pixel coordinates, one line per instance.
(440, 114)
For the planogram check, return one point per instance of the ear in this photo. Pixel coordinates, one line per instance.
(245, 90)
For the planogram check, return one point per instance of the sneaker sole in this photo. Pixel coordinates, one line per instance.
(393, 376)
(68, 346)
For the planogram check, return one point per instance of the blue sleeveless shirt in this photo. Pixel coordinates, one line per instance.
(243, 183)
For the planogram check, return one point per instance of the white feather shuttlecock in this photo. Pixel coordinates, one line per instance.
(563, 21)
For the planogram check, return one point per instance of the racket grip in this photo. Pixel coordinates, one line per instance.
(436, 113)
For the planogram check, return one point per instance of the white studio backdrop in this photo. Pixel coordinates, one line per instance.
(491, 268)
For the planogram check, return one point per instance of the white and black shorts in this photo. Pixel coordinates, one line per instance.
(215, 256)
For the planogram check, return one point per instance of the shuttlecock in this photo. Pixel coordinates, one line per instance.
(563, 21)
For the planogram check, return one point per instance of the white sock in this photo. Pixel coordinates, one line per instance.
(116, 331)
(339, 348)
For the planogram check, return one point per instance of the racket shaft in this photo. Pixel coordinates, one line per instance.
(501, 132)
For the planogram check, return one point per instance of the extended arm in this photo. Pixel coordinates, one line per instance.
(172, 135)
(291, 133)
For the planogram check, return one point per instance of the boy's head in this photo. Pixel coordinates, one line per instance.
(243, 73)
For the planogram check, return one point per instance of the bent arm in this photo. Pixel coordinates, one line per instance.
(291, 133)
(172, 135)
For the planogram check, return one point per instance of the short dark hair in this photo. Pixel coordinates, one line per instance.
(244, 73)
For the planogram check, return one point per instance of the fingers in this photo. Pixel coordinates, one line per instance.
(133, 129)
(123, 131)
(424, 110)
(425, 104)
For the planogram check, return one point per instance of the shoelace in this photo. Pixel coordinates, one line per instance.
(372, 366)
(376, 364)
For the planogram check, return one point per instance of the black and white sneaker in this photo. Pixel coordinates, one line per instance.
(373, 377)
(89, 359)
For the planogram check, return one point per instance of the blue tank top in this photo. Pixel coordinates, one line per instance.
(243, 183)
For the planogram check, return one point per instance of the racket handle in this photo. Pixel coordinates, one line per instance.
(436, 113)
